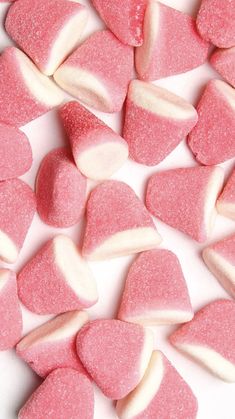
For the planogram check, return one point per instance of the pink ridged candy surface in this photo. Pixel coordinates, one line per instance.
(179, 196)
(65, 394)
(124, 18)
(44, 285)
(53, 345)
(60, 190)
(223, 60)
(10, 312)
(110, 64)
(212, 140)
(111, 352)
(171, 45)
(155, 287)
(152, 134)
(226, 201)
(15, 153)
(17, 208)
(27, 24)
(215, 22)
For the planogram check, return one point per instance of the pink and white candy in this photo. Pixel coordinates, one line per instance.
(223, 60)
(226, 201)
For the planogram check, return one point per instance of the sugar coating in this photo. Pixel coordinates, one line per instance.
(10, 312)
(212, 327)
(65, 394)
(15, 152)
(18, 104)
(27, 24)
(113, 207)
(53, 345)
(215, 22)
(151, 135)
(43, 286)
(86, 132)
(220, 259)
(226, 201)
(171, 396)
(111, 351)
(17, 208)
(60, 189)
(223, 60)
(178, 197)
(106, 59)
(171, 45)
(155, 285)
(123, 18)
(212, 140)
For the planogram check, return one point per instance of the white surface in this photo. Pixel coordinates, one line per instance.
(17, 381)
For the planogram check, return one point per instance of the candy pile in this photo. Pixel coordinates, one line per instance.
(49, 62)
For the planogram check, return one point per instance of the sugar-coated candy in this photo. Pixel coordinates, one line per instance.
(115, 354)
(97, 150)
(223, 60)
(118, 223)
(57, 279)
(185, 198)
(226, 201)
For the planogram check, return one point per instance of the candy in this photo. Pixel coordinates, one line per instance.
(98, 72)
(118, 224)
(53, 345)
(155, 291)
(65, 394)
(97, 150)
(226, 201)
(162, 393)
(171, 43)
(60, 190)
(124, 18)
(27, 93)
(116, 354)
(215, 22)
(185, 199)
(10, 313)
(156, 121)
(15, 152)
(212, 141)
(17, 208)
(220, 259)
(223, 60)
(47, 31)
(57, 279)
(209, 338)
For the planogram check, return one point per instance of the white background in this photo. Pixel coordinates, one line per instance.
(17, 381)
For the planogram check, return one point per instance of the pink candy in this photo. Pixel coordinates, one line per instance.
(17, 208)
(57, 279)
(124, 18)
(60, 190)
(155, 291)
(162, 393)
(27, 93)
(52, 345)
(220, 259)
(15, 152)
(47, 31)
(223, 60)
(116, 354)
(171, 45)
(215, 22)
(98, 72)
(65, 394)
(212, 141)
(156, 121)
(97, 150)
(185, 198)
(209, 338)
(117, 223)
(10, 313)
(226, 201)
